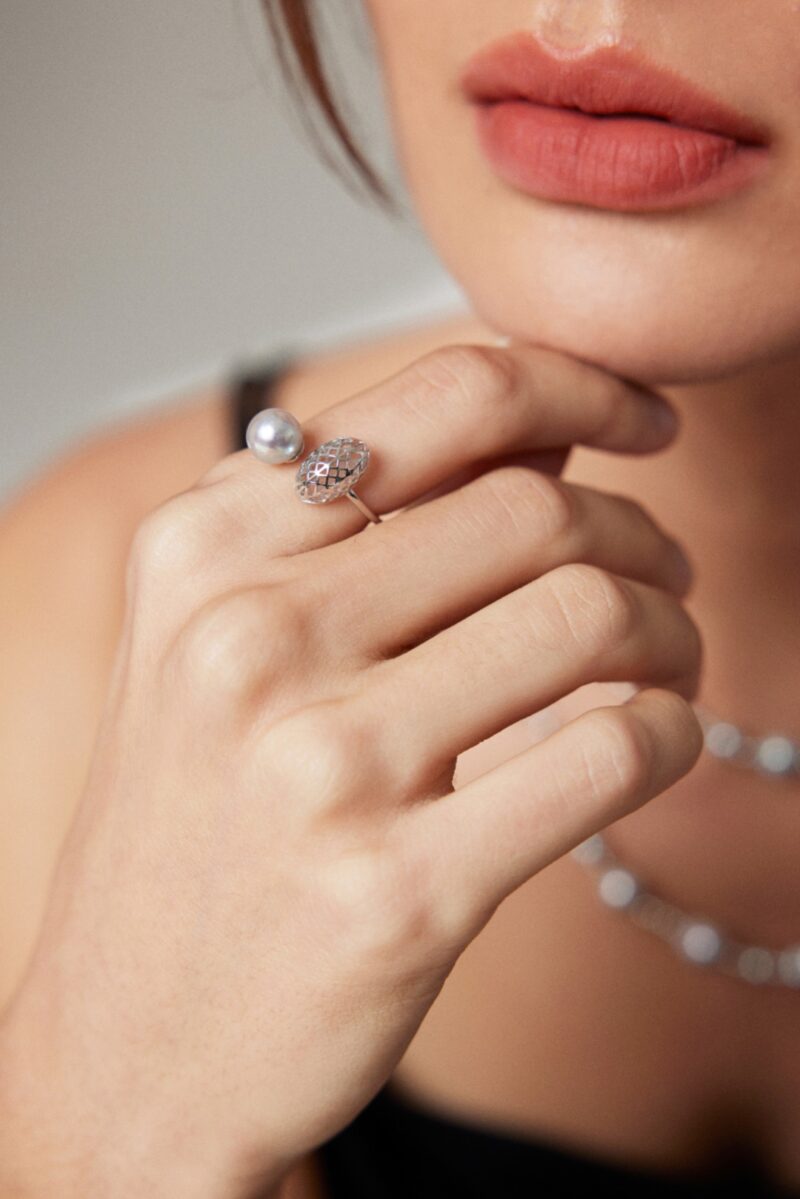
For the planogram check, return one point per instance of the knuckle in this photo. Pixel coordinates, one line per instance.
(480, 374)
(170, 541)
(383, 899)
(597, 609)
(234, 640)
(360, 882)
(530, 500)
(204, 529)
(326, 755)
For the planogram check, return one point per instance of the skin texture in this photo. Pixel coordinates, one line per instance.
(517, 1054)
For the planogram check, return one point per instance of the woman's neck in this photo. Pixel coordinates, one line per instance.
(722, 840)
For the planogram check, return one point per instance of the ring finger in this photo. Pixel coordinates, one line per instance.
(575, 625)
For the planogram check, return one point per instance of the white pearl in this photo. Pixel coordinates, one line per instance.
(775, 755)
(617, 887)
(701, 943)
(591, 850)
(723, 740)
(789, 966)
(274, 436)
(755, 964)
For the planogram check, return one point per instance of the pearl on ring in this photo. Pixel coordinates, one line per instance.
(275, 435)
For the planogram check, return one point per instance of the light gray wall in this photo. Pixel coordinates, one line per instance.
(162, 215)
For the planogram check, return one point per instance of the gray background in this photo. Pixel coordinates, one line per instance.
(163, 215)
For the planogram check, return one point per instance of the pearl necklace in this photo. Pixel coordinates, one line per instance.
(773, 755)
(695, 938)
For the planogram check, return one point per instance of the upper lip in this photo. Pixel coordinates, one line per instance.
(609, 80)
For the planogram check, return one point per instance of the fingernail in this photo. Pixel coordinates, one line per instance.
(684, 570)
(664, 415)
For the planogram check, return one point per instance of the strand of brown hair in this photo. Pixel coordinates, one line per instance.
(294, 34)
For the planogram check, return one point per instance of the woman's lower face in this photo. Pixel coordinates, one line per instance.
(700, 288)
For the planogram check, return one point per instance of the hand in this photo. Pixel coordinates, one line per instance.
(270, 874)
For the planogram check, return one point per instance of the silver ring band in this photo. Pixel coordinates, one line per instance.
(362, 507)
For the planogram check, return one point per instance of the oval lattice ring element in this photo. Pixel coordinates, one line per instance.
(329, 472)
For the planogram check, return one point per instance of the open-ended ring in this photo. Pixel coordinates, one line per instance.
(329, 472)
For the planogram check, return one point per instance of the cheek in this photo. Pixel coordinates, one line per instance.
(690, 295)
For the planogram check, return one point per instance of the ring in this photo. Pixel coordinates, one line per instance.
(329, 472)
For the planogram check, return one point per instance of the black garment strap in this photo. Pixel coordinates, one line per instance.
(250, 389)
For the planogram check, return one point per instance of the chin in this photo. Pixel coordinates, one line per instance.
(641, 346)
(661, 330)
(666, 302)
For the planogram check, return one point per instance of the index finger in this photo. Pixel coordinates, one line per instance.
(452, 407)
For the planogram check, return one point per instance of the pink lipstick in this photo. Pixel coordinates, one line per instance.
(609, 129)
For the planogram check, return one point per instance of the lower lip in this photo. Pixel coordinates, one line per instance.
(626, 163)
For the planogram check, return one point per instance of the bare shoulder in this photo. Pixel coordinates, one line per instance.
(64, 542)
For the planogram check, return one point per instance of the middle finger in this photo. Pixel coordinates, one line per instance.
(434, 564)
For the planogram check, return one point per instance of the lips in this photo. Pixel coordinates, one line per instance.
(609, 129)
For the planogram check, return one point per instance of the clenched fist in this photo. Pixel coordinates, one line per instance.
(270, 874)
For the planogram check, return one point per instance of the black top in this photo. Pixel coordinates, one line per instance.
(249, 390)
(396, 1148)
